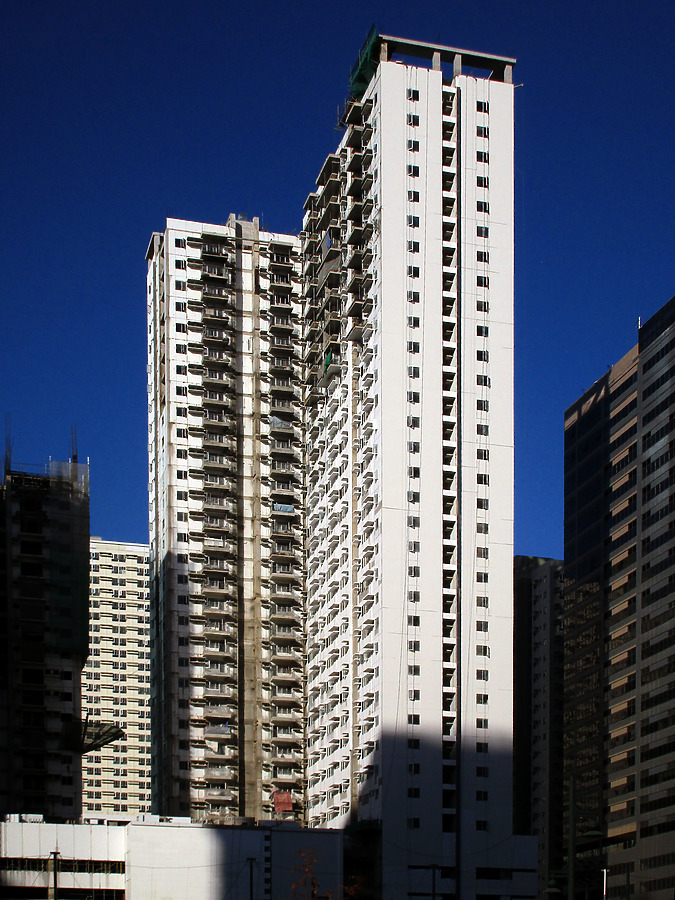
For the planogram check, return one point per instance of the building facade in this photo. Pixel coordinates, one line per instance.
(148, 859)
(538, 707)
(44, 639)
(116, 679)
(619, 651)
(408, 318)
(226, 525)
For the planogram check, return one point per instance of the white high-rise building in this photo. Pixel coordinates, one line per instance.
(408, 315)
(226, 537)
(116, 680)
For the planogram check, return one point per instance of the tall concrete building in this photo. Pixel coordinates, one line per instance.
(538, 708)
(408, 317)
(226, 527)
(618, 619)
(44, 639)
(116, 679)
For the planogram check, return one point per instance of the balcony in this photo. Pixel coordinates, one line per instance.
(220, 773)
(221, 711)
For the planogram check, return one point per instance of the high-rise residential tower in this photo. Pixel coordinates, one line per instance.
(116, 679)
(44, 639)
(538, 707)
(619, 730)
(226, 538)
(408, 317)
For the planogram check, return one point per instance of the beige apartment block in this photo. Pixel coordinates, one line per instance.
(116, 679)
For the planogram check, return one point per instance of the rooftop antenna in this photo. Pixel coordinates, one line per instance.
(73, 443)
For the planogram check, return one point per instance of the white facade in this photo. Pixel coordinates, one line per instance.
(225, 443)
(168, 860)
(409, 331)
(116, 679)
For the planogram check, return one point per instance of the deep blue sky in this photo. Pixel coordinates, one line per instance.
(115, 115)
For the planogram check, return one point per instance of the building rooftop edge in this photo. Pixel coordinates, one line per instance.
(417, 46)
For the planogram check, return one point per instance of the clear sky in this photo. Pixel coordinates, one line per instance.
(115, 115)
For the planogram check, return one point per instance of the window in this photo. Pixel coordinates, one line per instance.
(181, 286)
(481, 824)
(413, 246)
(413, 497)
(413, 347)
(181, 348)
(182, 537)
(482, 330)
(414, 271)
(181, 495)
(482, 106)
(414, 621)
(413, 646)
(181, 454)
(413, 196)
(181, 390)
(482, 231)
(482, 306)
(413, 670)
(481, 675)
(414, 296)
(482, 771)
(481, 625)
(482, 281)
(413, 823)
(179, 263)
(485, 382)
(481, 746)
(413, 768)
(481, 527)
(483, 256)
(181, 327)
(413, 171)
(482, 156)
(413, 321)
(180, 243)
(413, 371)
(482, 650)
(181, 473)
(181, 370)
(413, 421)
(483, 406)
(482, 602)
(413, 446)
(414, 597)
(413, 396)
(412, 94)
(482, 131)
(482, 181)
(482, 206)
(481, 723)
(413, 522)
(181, 410)
(414, 221)
(413, 120)
(413, 146)
(481, 553)
(482, 355)
(482, 577)
(481, 699)
(414, 472)
(413, 791)
(482, 429)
